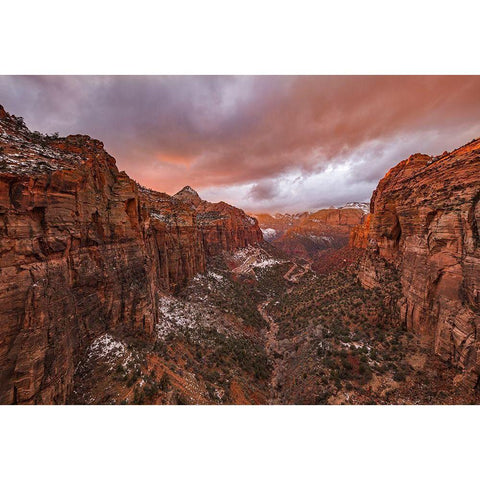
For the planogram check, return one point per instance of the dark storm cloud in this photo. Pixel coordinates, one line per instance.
(260, 140)
(265, 190)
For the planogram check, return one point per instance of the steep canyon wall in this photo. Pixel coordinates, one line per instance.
(425, 224)
(83, 250)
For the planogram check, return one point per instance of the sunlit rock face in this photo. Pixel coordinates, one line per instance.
(84, 250)
(359, 233)
(425, 224)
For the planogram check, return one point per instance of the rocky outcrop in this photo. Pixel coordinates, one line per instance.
(174, 242)
(425, 226)
(222, 227)
(185, 230)
(226, 228)
(359, 233)
(85, 250)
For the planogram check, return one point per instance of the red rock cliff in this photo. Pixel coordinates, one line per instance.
(359, 233)
(83, 250)
(425, 224)
(226, 228)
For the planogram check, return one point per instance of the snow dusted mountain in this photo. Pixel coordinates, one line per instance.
(304, 234)
(365, 207)
(269, 234)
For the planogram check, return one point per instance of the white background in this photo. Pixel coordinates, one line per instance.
(247, 37)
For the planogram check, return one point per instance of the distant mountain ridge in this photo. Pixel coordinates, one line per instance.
(307, 233)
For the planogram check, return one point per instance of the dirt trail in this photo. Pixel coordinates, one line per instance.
(302, 270)
(295, 278)
(287, 275)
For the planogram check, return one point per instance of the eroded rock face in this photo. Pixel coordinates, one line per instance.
(425, 224)
(85, 250)
(226, 228)
(359, 233)
(187, 230)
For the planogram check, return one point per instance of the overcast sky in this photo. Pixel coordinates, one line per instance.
(262, 143)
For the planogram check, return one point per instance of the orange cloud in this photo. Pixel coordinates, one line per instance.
(220, 132)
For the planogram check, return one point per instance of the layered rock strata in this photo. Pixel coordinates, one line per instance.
(425, 225)
(359, 233)
(84, 250)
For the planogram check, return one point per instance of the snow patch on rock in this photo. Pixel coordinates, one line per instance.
(215, 276)
(158, 216)
(249, 258)
(269, 233)
(365, 207)
(268, 262)
(174, 314)
(107, 347)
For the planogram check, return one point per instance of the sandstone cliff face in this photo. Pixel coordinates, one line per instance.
(226, 228)
(280, 222)
(187, 230)
(425, 224)
(84, 250)
(332, 222)
(359, 233)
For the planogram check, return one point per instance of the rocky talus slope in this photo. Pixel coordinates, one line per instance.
(425, 226)
(85, 250)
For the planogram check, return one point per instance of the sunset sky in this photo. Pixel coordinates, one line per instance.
(267, 143)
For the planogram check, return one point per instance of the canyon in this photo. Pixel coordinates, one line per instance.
(424, 226)
(114, 293)
(303, 235)
(85, 250)
(320, 238)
